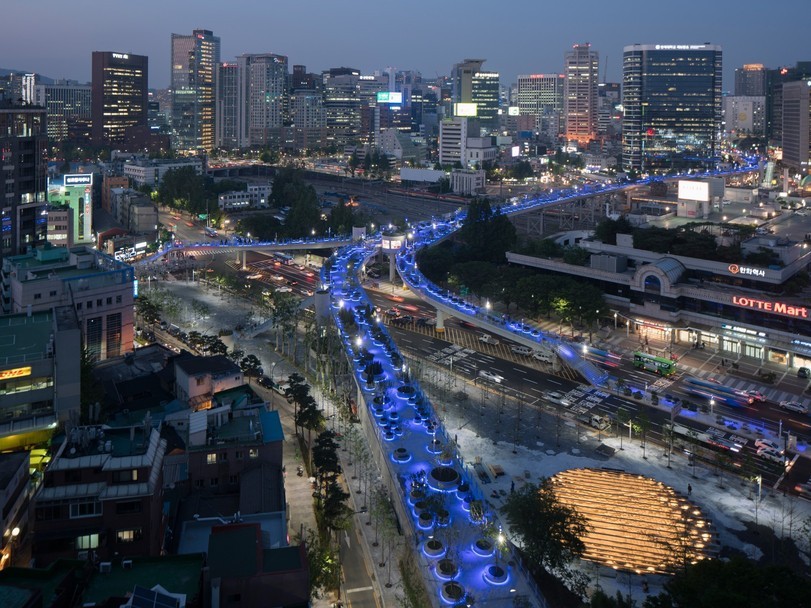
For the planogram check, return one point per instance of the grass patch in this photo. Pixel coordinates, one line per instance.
(416, 596)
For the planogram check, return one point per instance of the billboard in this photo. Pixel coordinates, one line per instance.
(516, 151)
(694, 191)
(79, 179)
(513, 111)
(465, 109)
(392, 97)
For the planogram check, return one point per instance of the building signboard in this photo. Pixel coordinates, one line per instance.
(748, 270)
(777, 307)
(17, 372)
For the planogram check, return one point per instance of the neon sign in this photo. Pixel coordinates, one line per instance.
(778, 307)
(756, 272)
(17, 372)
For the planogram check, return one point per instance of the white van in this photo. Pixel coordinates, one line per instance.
(544, 356)
(520, 349)
(488, 339)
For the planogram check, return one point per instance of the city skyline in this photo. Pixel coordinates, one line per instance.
(527, 39)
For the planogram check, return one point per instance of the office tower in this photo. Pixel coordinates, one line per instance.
(453, 141)
(29, 83)
(581, 68)
(226, 133)
(671, 95)
(23, 172)
(194, 63)
(342, 105)
(262, 101)
(462, 79)
(485, 93)
(744, 116)
(796, 135)
(301, 79)
(67, 105)
(119, 99)
(307, 128)
(775, 79)
(541, 96)
(609, 113)
(750, 80)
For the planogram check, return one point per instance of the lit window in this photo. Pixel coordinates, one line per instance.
(211, 458)
(253, 453)
(90, 541)
(128, 536)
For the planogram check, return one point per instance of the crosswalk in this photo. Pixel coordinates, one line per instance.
(740, 384)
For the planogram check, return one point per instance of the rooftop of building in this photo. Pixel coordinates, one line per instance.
(10, 464)
(216, 365)
(239, 397)
(175, 573)
(54, 261)
(48, 580)
(24, 338)
(232, 551)
(97, 441)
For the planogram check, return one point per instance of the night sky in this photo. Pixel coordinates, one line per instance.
(55, 38)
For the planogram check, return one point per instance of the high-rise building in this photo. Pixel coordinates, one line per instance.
(342, 105)
(750, 80)
(226, 114)
(582, 71)
(744, 116)
(775, 79)
(262, 102)
(541, 96)
(485, 90)
(462, 79)
(119, 98)
(66, 104)
(23, 172)
(453, 141)
(194, 65)
(671, 95)
(796, 125)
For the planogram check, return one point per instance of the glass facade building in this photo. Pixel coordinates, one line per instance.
(671, 95)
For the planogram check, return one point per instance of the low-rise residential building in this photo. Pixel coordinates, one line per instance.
(197, 378)
(135, 212)
(468, 182)
(101, 496)
(254, 197)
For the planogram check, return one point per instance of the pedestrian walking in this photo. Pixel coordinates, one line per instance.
(689, 489)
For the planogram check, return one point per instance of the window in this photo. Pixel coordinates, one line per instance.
(89, 541)
(48, 512)
(98, 302)
(118, 299)
(127, 476)
(128, 536)
(198, 483)
(85, 509)
(223, 456)
(52, 294)
(200, 381)
(109, 301)
(37, 296)
(79, 306)
(233, 479)
(211, 458)
(238, 454)
(214, 482)
(128, 507)
(89, 304)
(253, 453)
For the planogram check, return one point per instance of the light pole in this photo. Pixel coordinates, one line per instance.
(615, 320)
(12, 547)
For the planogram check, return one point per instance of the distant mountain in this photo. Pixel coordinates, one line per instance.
(42, 79)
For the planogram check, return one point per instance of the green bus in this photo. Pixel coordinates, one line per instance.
(657, 365)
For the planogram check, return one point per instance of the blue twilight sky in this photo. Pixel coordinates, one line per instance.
(55, 37)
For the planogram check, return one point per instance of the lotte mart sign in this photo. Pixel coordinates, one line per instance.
(780, 308)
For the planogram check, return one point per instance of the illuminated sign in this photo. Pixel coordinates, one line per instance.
(120, 56)
(393, 97)
(79, 179)
(513, 111)
(516, 151)
(17, 372)
(755, 272)
(694, 191)
(778, 307)
(680, 47)
(141, 245)
(465, 109)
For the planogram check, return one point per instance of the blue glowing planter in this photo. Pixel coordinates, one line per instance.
(443, 479)
(496, 575)
(446, 569)
(433, 548)
(434, 446)
(484, 547)
(452, 592)
(425, 521)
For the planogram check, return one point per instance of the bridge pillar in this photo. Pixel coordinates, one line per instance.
(440, 321)
(244, 259)
(392, 267)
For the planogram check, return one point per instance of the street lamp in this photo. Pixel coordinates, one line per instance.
(15, 533)
(615, 320)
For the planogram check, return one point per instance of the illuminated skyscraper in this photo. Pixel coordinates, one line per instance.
(750, 80)
(227, 110)
(119, 97)
(581, 68)
(194, 65)
(262, 101)
(671, 96)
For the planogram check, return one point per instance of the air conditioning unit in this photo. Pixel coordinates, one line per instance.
(106, 567)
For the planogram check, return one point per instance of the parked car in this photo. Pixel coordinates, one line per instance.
(266, 382)
(488, 339)
(490, 376)
(756, 396)
(543, 356)
(760, 442)
(520, 349)
(770, 454)
(794, 406)
(803, 372)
